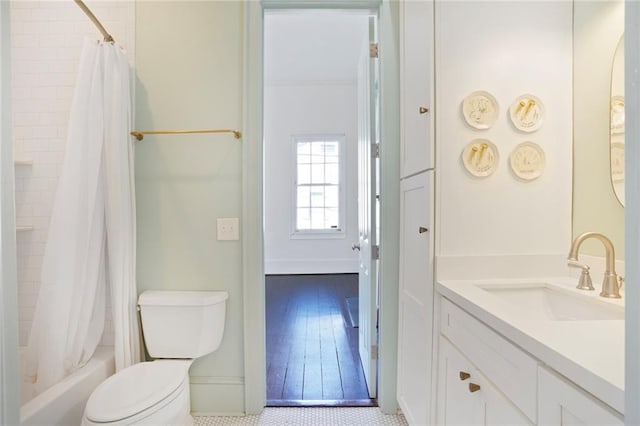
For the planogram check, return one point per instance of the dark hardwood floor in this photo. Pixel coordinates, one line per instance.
(312, 349)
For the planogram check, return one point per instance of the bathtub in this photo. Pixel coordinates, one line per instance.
(63, 403)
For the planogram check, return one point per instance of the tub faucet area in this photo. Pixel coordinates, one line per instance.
(610, 283)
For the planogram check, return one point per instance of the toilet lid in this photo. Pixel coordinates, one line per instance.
(134, 389)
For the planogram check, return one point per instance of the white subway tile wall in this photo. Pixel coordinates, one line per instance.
(46, 42)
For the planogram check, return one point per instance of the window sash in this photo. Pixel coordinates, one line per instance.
(318, 204)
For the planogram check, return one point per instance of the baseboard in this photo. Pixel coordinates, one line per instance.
(217, 398)
(310, 266)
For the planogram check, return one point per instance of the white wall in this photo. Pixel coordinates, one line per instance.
(311, 109)
(507, 49)
(46, 41)
(310, 71)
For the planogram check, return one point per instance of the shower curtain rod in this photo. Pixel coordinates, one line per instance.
(87, 11)
(139, 135)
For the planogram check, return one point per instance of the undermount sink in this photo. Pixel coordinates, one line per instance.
(547, 302)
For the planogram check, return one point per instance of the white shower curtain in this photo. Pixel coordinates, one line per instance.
(92, 229)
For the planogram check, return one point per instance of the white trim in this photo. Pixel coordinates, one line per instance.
(253, 288)
(252, 208)
(9, 376)
(632, 212)
(389, 220)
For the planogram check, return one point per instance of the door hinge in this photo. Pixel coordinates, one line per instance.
(375, 252)
(373, 50)
(375, 150)
(374, 352)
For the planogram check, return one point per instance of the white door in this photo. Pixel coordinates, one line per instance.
(367, 238)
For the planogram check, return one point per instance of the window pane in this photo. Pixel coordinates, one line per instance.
(331, 196)
(303, 221)
(317, 173)
(317, 149)
(304, 174)
(331, 220)
(317, 196)
(331, 151)
(304, 198)
(317, 218)
(332, 174)
(304, 158)
(304, 148)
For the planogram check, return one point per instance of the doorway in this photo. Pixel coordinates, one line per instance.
(320, 240)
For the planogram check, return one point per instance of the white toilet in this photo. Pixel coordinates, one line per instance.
(178, 326)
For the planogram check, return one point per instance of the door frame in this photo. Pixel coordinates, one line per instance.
(253, 282)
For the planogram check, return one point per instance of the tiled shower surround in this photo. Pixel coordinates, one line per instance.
(46, 41)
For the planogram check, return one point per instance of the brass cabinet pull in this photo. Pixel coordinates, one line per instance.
(422, 230)
(473, 387)
(464, 375)
(423, 110)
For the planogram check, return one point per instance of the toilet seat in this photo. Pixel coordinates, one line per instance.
(137, 391)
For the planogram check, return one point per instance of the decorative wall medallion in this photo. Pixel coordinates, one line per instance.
(480, 157)
(527, 160)
(617, 114)
(527, 113)
(480, 110)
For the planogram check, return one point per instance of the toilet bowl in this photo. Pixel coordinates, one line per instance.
(180, 326)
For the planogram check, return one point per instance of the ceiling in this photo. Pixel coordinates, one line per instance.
(313, 46)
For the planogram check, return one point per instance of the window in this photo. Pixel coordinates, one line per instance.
(318, 184)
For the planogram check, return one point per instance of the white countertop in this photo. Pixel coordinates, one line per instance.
(590, 353)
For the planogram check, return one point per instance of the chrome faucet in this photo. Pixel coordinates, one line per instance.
(610, 283)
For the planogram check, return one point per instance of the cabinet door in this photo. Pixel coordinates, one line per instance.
(416, 80)
(467, 397)
(499, 411)
(415, 310)
(457, 405)
(562, 403)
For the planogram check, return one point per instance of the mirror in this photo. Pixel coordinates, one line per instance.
(598, 28)
(616, 123)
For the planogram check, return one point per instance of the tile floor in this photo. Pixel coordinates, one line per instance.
(273, 416)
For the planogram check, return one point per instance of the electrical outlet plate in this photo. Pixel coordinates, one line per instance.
(228, 229)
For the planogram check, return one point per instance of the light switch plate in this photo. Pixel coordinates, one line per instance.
(228, 229)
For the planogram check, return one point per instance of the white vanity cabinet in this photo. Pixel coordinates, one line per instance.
(501, 367)
(485, 379)
(562, 403)
(416, 91)
(468, 398)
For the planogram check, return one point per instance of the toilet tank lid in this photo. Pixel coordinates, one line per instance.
(181, 298)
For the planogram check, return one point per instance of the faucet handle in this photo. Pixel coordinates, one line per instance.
(584, 283)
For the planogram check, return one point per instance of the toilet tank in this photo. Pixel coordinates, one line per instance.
(182, 324)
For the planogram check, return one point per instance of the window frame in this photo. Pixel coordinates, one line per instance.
(341, 231)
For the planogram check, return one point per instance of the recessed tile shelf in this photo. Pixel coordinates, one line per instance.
(23, 162)
(24, 228)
